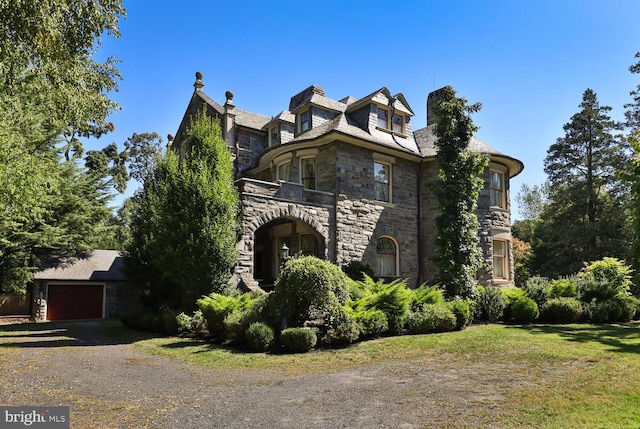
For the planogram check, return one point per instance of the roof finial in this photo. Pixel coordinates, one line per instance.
(198, 84)
(229, 95)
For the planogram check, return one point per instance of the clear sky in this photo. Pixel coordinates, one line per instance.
(527, 62)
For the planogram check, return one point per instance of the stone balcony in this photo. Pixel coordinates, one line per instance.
(285, 191)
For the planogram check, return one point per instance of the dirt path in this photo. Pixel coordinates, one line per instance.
(109, 384)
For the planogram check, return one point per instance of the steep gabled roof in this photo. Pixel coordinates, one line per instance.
(250, 120)
(284, 116)
(383, 96)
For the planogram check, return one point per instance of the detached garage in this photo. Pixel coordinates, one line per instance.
(91, 286)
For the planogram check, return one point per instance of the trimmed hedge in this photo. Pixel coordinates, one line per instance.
(259, 337)
(298, 340)
(561, 310)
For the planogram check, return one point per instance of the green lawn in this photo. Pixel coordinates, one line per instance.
(569, 376)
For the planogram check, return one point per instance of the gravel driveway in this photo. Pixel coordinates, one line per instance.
(108, 384)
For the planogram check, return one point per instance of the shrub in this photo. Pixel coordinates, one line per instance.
(524, 310)
(308, 284)
(431, 318)
(356, 270)
(426, 295)
(392, 298)
(511, 294)
(563, 288)
(184, 323)
(340, 328)
(490, 304)
(617, 309)
(561, 310)
(169, 322)
(462, 310)
(613, 271)
(259, 337)
(298, 340)
(537, 288)
(592, 287)
(216, 307)
(372, 322)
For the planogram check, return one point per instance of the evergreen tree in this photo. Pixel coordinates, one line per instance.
(185, 221)
(458, 256)
(585, 219)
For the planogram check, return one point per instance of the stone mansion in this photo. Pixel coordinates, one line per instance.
(346, 180)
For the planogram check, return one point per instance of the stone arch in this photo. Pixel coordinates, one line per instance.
(289, 212)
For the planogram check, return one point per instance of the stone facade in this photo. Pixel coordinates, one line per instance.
(330, 209)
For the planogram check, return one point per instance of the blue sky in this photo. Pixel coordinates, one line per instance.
(527, 62)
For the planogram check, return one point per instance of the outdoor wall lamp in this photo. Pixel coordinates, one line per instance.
(284, 252)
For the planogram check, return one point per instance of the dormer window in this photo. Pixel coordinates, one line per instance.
(305, 121)
(273, 136)
(396, 124)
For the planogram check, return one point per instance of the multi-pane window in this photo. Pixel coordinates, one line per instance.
(305, 122)
(383, 118)
(397, 123)
(273, 136)
(386, 252)
(496, 189)
(500, 270)
(284, 172)
(382, 181)
(308, 172)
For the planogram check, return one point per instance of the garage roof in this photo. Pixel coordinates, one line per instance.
(97, 265)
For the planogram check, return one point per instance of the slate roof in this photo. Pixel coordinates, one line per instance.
(97, 265)
(250, 119)
(425, 139)
(344, 125)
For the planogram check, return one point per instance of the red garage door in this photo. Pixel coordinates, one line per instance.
(74, 302)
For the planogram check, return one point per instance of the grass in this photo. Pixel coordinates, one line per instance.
(585, 376)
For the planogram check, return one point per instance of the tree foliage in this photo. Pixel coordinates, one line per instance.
(52, 91)
(458, 255)
(585, 218)
(185, 221)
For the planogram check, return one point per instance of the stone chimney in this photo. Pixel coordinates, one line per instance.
(304, 96)
(432, 101)
(228, 120)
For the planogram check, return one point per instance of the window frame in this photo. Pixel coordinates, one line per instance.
(274, 140)
(500, 260)
(388, 183)
(301, 127)
(315, 172)
(395, 254)
(389, 120)
(279, 166)
(499, 199)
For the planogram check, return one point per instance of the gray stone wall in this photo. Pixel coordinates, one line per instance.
(120, 297)
(428, 213)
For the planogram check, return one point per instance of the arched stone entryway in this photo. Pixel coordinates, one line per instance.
(267, 223)
(298, 236)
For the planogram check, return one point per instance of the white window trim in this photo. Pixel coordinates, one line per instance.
(494, 168)
(281, 160)
(271, 141)
(506, 264)
(389, 122)
(384, 160)
(315, 170)
(300, 130)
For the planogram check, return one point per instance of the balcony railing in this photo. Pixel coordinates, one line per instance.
(287, 191)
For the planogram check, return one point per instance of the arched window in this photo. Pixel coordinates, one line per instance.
(386, 257)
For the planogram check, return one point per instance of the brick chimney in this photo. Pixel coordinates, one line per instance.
(432, 101)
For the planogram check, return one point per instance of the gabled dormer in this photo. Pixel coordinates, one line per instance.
(281, 129)
(312, 109)
(381, 111)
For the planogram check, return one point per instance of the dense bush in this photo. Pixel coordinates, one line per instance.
(431, 318)
(537, 288)
(613, 271)
(340, 328)
(592, 288)
(426, 295)
(462, 310)
(561, 310)
(162, 321)
(184, 323)
(563, 288)
(259, 337)
(356, 270)
(309, 285)
(511, 294)
(490, 304)
(616, 309)
(524, 310)
(298, 340)
(391, 298)
(371, 322)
